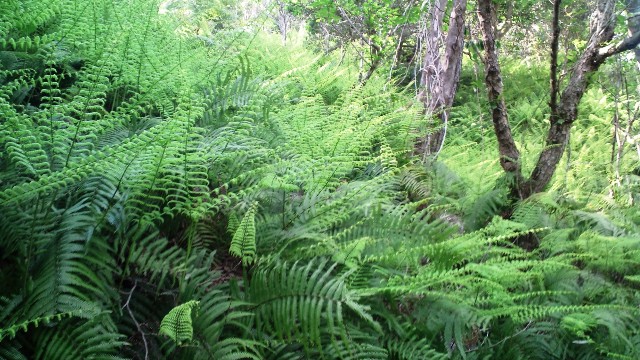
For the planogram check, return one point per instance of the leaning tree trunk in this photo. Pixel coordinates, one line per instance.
(441, 70)
(564, 111)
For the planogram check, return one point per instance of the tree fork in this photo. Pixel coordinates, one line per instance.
(564, 111)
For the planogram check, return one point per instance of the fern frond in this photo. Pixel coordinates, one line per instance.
(95, 338)
(177, 324)
(243, 244)
(413, 348)
(300, 303)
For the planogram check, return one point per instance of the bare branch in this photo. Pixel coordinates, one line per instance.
(126, 305)
(508, 23)
(627, 44)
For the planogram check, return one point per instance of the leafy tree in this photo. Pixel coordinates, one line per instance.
(379, 27)
(563, 104)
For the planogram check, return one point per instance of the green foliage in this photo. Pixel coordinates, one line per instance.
(243, 243)
(134, 156)
(301, 302)
(24, 326)
(177, 324)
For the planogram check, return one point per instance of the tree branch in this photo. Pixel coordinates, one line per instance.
(627, 44)
(506, 26)
(555, 37)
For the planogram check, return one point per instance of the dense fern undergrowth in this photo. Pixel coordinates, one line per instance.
(168, 197)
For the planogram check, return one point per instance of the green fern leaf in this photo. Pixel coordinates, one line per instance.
(233, 223)
(178, 324)
(303, 303)
(243, 244)
(11, 331)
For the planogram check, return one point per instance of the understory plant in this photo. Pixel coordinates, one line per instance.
(164, 196)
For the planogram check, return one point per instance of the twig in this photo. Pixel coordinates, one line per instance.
(126, 305)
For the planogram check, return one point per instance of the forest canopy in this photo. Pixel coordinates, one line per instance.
(294, 179)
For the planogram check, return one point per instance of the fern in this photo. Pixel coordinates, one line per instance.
(243, 244)
(128, 144)
(177, 324)
(95, 338)
(11, 331)
(303, 302)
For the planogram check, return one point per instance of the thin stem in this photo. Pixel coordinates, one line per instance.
(126, 305)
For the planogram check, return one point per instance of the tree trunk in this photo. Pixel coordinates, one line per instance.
(376, 60)
(283, 20)
(563, 111)
(602, 24)
(509, 154)
(633, 23)
(441, 70)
